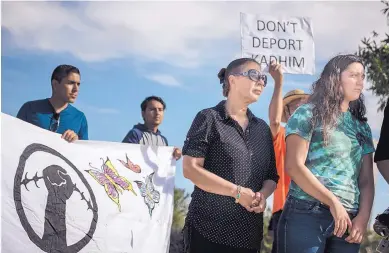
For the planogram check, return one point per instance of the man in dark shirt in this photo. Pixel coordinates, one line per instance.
(382, 153)
(381, 225)
(153, 109)
(56, 114)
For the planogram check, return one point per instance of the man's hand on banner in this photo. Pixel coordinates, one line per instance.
(70, 136)
(275, 70)
(177, 153)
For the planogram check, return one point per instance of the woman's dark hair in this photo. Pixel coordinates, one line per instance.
(234, 66)
(327, 95)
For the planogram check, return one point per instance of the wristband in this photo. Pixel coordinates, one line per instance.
(238, 194)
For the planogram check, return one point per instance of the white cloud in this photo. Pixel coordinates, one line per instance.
(95, 109)
(163, 79)
(184, 34)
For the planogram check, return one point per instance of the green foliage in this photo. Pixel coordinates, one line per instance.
(376, 58)
(267, 241)
(370, 242)
(180, 208)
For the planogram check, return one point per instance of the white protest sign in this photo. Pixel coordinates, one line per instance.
(287, 40)
(86, 196)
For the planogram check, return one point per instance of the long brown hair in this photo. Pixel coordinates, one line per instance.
(327, 96)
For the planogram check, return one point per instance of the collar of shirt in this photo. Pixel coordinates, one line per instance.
(143, 128)
(64, 111)
(223, 115)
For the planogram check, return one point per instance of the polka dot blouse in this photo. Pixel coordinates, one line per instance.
(244, 158)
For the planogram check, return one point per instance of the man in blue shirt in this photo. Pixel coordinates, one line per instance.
(56, 114)
(148, 134)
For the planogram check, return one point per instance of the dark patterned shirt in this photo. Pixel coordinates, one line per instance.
(244, 158)
(382, 152)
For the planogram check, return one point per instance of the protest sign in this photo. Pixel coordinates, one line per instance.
(86, 196)
(287, 40)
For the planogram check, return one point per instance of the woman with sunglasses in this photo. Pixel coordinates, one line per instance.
(329, 159)
(229, 156)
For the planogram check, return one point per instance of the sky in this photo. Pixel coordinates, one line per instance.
(127, 51)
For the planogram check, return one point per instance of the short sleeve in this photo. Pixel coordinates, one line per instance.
(368, 145)
(300, 122)
(199, 136)
(83, 134)
(382, 152)
(23, 112)
(132, 137)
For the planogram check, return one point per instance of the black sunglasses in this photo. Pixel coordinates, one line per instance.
(54, 123)
(253, 75)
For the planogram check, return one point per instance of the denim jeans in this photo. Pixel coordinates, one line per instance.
(307, 227)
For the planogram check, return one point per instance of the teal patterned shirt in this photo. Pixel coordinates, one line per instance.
(338, 164)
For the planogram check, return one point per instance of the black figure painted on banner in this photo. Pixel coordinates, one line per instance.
(60, 188)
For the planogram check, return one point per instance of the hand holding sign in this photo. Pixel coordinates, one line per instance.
(275, 71)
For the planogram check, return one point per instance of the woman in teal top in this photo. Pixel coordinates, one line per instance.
(329, 158)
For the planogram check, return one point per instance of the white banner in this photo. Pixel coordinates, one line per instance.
(287, 40)
(86, 196)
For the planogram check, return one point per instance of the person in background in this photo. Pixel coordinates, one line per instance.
(229, 156)
(382, 154)
(280, 110)
(381, 225)
(153, 109)
(329, 158)
(56, 114)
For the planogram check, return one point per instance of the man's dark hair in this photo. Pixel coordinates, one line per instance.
(63, 71)
(143, 106)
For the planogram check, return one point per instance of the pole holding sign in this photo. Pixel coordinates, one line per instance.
(287, 40)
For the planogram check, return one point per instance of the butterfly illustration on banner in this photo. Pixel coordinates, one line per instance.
(129, 165)
(113, 183)
(147, 191)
